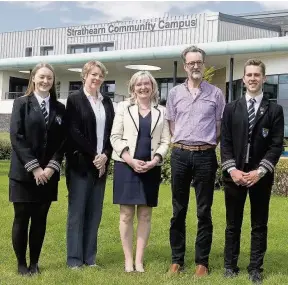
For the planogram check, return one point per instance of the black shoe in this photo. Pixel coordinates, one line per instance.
(23, 270)
(230, 273)
(34, 269)
(255, 276)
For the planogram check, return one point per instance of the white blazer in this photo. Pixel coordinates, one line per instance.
(125, 130)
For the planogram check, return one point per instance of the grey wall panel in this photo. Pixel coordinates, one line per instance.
(166, 32)
(232, 31)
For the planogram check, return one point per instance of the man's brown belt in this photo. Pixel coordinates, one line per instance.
(193, 147)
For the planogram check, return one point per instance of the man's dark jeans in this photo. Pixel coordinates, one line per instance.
(200, 166)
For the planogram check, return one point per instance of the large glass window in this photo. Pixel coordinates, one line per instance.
(164, 86)
(28, 51)
(90, 48)
(108, 88)
(46, 50)
(74, 85)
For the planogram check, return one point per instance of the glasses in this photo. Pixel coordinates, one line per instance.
(193, 63)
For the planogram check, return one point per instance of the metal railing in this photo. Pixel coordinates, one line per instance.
(13, 95)
(62, 95)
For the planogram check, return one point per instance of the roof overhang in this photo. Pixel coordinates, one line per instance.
(212, 49)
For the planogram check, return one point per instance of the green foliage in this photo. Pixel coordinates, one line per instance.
(280, 186)
(5, 149)
(209, 73)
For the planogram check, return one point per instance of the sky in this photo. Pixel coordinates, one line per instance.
(27, 15)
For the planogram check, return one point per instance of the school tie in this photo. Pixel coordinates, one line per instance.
(251, 116)
(44, 111)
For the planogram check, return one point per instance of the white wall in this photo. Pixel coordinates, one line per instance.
(4, 80)
(274, 65)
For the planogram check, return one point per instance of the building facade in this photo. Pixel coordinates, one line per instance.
(103, 39)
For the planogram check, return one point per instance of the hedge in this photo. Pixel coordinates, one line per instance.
(280, 186)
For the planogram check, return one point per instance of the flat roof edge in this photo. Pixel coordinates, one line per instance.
(275, 44)
(248, 22)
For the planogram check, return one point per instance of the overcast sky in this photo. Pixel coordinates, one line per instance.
(19, 16)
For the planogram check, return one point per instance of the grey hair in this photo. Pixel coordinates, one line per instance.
(192, 49)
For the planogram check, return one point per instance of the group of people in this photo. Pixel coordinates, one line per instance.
(137, 137)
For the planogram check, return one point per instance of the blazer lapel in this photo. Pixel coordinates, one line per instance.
(87, 105)
(52, 112)
(134, 113)
(243, 113)
(37, 109)
(262, 109)
(155, 116)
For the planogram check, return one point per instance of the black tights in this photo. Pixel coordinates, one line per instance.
(23, 212)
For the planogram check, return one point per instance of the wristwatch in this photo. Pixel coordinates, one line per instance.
(261, 171)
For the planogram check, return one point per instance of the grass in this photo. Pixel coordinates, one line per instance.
(4, 136)
(157, 258)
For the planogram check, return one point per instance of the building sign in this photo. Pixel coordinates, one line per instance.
(117, 28)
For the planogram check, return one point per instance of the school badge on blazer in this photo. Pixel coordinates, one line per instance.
(265, 132)
(58, 120)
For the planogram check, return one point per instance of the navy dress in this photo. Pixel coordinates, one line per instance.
(130, 187)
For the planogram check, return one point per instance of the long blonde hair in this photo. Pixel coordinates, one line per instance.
(132, 82)
(31, 85)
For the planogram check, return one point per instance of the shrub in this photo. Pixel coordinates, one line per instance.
(5, 149)
(280, 186)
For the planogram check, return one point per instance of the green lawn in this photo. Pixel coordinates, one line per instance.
(4, 136)
(157, 259)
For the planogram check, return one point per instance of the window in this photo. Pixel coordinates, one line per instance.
(108, 88)
(90, 48)
(76, 49)
(164, 86)
(28, 51)
(46, 50)
(74, 85)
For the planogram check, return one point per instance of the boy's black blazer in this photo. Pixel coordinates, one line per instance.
(33, 143)
(81, 126)
(266, 141)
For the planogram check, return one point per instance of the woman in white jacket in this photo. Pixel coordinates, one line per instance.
(140, 139)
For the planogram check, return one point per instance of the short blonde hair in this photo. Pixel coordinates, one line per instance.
(88, 66)
(132, 82)
(255, 62)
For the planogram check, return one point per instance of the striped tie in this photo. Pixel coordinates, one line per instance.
(44, 111)
(251, 116)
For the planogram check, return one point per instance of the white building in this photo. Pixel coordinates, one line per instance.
(228, 40)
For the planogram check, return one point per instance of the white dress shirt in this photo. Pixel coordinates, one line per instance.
(100, 115)
(40, 100)
(258, 99)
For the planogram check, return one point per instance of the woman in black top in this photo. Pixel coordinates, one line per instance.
(89, 119)
(37, 138)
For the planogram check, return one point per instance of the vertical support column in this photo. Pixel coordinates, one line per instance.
(175, 73)
(231, 79)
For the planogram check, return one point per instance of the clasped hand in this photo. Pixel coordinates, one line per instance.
(244, 178)
(141, 166)
(100, 163)
(42, 176)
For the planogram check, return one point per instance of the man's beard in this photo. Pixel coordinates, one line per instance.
(196, 75)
